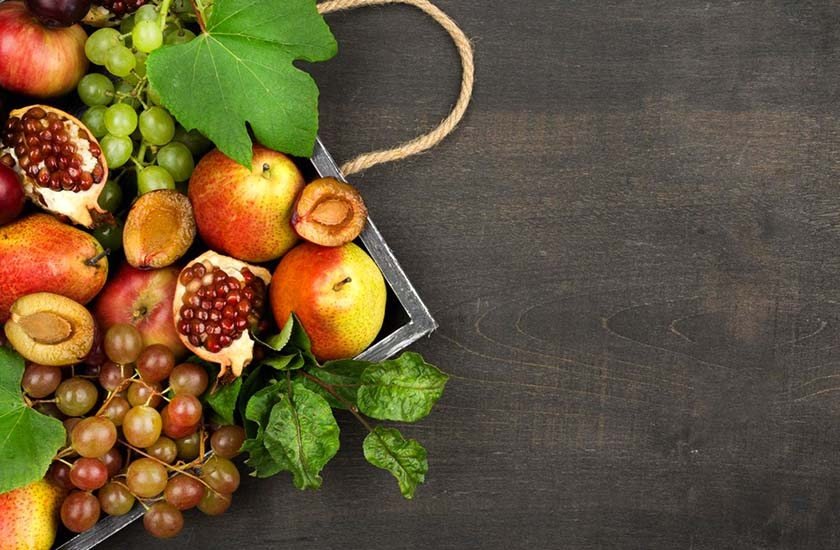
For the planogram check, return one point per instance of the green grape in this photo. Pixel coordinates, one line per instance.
(94, 119)
(115, 499)
(157, 126)
(140, 69)
(178, 36)
(117, 150)
(147, 36)
(109, 235)
(152, 95)
(194, 140)
(120, 119)
(76, 396)
(100, 43)
(95, 89)
(146, 478)
(125, 90)
(120, 61)
(177, 159)
(111, 197)
(146, 13)
(153, 178)
(127, 24)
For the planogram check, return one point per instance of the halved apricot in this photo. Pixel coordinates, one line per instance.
(159, 229)
(50, 329)
(329, 213)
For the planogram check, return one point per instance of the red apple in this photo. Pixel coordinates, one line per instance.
(142, 298)
(11, 195)
(37, 60)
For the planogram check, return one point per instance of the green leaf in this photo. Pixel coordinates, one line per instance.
(405, 458)
(28, 439)
(284, 362)
(240, 72)
(299, 341)
(303, 434)
(279, 341)
(404, 389)
(258, 412)
(223, 401)
(344, 376)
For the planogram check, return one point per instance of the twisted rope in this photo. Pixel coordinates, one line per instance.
(435, 136)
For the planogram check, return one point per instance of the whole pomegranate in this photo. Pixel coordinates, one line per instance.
(37, 60)
(11, 195)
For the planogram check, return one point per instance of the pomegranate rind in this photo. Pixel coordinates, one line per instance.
(80, 207)
(240, 352)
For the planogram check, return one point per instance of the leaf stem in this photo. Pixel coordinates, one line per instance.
(350, 406)
(198, 8)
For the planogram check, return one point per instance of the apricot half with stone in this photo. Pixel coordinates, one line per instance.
(329, 212)
(50, 329)
(159, 229)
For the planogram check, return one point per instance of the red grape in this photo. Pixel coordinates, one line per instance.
(115, 499)
(214, 504)
(227, 440)
(88, 474)
(39, 381)
(188, 378)
(184, 492)
(79, 511)
(220, 474)
(94, 436)
(142, 426)
(155, 363)
(146, 478)
(163, 520)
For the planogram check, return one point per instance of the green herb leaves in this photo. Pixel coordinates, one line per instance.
(404, 389)
(405, 458)
(240, 72)
(26, 432)
(302, 434)
(287, 402)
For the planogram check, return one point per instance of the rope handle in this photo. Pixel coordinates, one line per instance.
(447, 126)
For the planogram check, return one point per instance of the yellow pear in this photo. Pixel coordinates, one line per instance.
(29, 516)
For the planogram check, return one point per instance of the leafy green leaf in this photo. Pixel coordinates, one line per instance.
(223, 401)
(28, 439)
(240, 72)
(279, 341)
(284, 362)
(405, 458)
(302, 434)
(299, 341)
(344, 376)
(258, 412)
(404, 389)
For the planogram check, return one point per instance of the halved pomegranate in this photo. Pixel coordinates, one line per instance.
(217, 301)
(61, 163)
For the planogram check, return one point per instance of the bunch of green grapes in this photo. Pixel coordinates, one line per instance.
(124, 111)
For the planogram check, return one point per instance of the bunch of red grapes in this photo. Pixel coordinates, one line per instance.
(136, 433)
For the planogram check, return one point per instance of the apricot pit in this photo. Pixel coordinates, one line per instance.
(329, 213)
(50, 329)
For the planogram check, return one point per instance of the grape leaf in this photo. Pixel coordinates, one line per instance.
(403, 389)
(302, 434)
(240, 71)
(386, 448)
(28, 439)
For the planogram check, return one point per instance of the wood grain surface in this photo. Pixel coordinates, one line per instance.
(631, 246)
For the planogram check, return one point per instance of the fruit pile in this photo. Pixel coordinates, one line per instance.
(168, 306)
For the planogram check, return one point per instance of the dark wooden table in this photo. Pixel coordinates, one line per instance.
(631, 246)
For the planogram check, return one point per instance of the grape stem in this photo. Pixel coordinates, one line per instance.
(164, 11)
(165, 465)
(350, 406)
